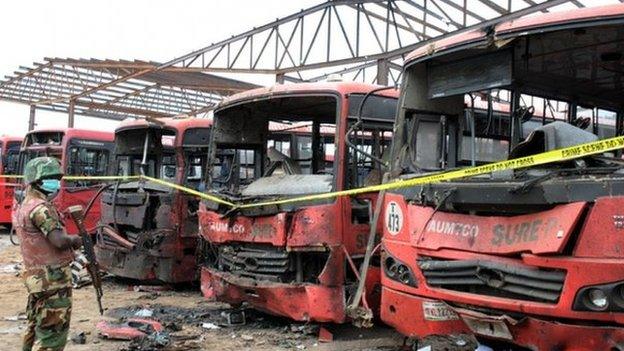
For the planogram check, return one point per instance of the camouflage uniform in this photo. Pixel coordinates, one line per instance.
(47, 274)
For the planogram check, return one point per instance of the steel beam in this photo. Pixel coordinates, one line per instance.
(383, 71)
(94, 89)
(409, 11)
(70, 114)
(397, 27)
(31, 118)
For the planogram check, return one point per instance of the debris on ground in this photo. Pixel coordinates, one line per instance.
(144, 313)
(18, 317)
(169, 314)
(248, 326)
(79, 338)
(234, 317)
(150, 296)
(247, 337)
(13, 268)
(325, 335)
(149, 288)
(459, 343)
(155, 341)
(210, 326)
(305, 329)
(133, 328)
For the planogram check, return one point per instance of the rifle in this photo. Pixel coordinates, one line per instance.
(87, 244)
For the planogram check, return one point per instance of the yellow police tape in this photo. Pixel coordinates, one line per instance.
(190, 191)
(565, 154)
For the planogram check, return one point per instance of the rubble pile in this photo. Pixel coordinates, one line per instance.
(186, 328)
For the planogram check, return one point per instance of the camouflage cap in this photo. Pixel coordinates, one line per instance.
(41, 168)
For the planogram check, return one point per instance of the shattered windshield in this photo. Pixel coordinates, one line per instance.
(291, 146)
(275, 146)
(477, 106)
(156, 145)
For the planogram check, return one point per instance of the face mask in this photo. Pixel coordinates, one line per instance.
(50, 185)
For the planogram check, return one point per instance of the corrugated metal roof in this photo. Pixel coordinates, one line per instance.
(116, 89)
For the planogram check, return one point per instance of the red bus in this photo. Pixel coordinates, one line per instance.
(530, 257)
(150, 231)
(295, 260)
(81, 153)
(9, 151)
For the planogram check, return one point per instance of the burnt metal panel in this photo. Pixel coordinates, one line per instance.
(478, 73)
(514, 196)
(376, 107)
(196, 137)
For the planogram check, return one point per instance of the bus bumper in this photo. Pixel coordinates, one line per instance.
(418, 317)
(300, 302)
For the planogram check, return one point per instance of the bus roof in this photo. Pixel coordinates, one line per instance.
(8, 138)
(341, 88)
(77, 133)
(179, 124)
(545, 22)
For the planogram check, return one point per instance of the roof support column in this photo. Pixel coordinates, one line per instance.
(279, 78)
(70, 114)
(31, 119)
(383, 70)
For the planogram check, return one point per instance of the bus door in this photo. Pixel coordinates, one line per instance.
(195, 152)
(84, 158)
(10, 166)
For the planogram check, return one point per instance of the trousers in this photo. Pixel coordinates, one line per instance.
(48, 316)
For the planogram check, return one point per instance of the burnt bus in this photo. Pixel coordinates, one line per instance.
(531, 257)
(9, 151)
(296, 260)
(149, 231)
(81, 152)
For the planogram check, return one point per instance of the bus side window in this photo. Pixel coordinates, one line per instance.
(362, 169)
(87, 162)
(11, 159)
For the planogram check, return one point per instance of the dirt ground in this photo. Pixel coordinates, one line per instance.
(182, 312)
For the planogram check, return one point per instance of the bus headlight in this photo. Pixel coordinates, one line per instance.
(600, 298)
(398, 271)
(597, 299)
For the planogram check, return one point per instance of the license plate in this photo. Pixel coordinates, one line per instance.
(490, 327)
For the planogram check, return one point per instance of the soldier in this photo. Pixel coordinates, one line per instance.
(47, 252)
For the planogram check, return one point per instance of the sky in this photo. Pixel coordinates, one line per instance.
(157, 30)
(117, 29)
